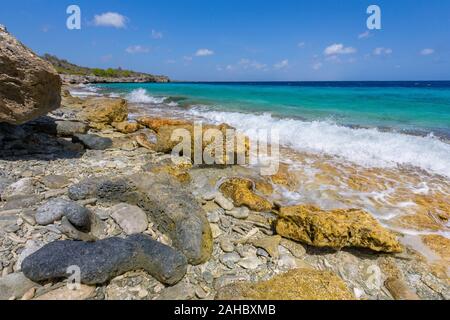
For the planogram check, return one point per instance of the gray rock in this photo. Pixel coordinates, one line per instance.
(54, 209)
(175, 211)
(239, 213)
(70, 128)
(181, 291)
(105, 259)
(30, 86)
(230, 259)
(131, 219)
(21, 188)
(31, 247)
(22, 202)
(73, 233)
(224, 202)
(213, 217)
(55, 181)
(92, 141)
(226, 245)
(15, 285)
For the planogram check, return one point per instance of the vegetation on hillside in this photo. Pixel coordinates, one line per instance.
(65, 67)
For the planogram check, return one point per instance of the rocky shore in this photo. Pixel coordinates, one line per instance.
(86, 192)
(77, 79)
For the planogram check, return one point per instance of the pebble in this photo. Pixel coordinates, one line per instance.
(131, 219)
(209, 196)
(241, 213)
(226, 245)
(297, 249)
(216, 231)
(213, 217)
(250, 263)
(224, 202)
(229, 259)
(201, 293)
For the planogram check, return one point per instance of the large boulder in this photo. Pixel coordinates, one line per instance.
(29, 86)
(335, 229)
(101, 113)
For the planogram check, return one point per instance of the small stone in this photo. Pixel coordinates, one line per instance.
(216, 231)
(131, 219)
(12, 228)
(269, 244)
(142, 293)
(28, 217)
(54, 209)
(250, 263)
(297, 249)
(213, 217)
(15, 285)
(181, 291)
(229, 259)
(287, 262)
(73, 233)
(201, 293)
(209, 196)
(262, 253)
(226, 245)
(93, 142)
(23, 187)
(29, 294)
(239, 213)
(224, 202)
(55, 181)
(64, 293)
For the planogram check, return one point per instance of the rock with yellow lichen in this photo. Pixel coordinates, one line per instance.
(297, 284)
(335, 229)
(241, 192)
(100, 113)
(177, 168)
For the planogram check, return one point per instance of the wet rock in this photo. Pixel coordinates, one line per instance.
(175, 211)
(70, 128)
(105, 259)
(335, 229)
(270, 244)
(241, 192)
(15, 285)
(54, 209)
(23, 187)
(30, 86)
(131, 219)
(93, 142)
(223, 202)
(55, 181)
(298, 284)
(102, 112)
(64, 293)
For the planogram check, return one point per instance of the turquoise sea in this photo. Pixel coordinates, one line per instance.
(373, 124)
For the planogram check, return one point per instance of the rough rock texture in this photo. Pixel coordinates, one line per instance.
(175, 211)
(29, 86)
(241, 192)
(297, 284)
(70, 128)
(336, 229)
(156, 123)
(126, 127)
(102, 112)
(105, 259)
(93, 142)
(15, 285)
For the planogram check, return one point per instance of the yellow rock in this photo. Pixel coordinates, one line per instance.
(156, 123)
(126, 127)
(102, 112)
(264, 187)
(270, 244)
(335, 229)
(284, 177)
(142, 141)
(241, 192)
(179, 171)
(297, 284)
(441, 246)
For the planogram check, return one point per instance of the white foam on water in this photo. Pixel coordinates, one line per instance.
(141, 96)
(84, 91)
(366, 147)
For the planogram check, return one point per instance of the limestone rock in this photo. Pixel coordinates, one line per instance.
(297, 284)
(21, 188)
(270, 244)
(335, 229)
(241, 192)
(102, 112)
(105, 259)
(29, 86)
(126, 127)
(131, 219)
(156, 123)
(64, 293)
(93, 142)
(15, 285)
(70, 128)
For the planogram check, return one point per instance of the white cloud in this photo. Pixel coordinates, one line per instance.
(137, 49)
(281, 65)
(364, 35)
(157, 34)
(338, 48)
(380, 51)
(110, 19)
(301, 44)
(252, 64)
(427, 51)
(317, 65)
(204, 52)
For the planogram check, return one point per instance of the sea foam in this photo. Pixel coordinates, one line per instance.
(366, 147)
(141, 96)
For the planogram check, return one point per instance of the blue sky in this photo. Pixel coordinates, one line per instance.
(231, 40)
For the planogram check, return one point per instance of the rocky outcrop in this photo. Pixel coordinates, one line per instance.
(241, 192)
(175, 211)
(335, 229)
(126, 127)
(297, 284)
(76, 79)
(29, 86)
(156, 123)
(105, 259)
(101, 113)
